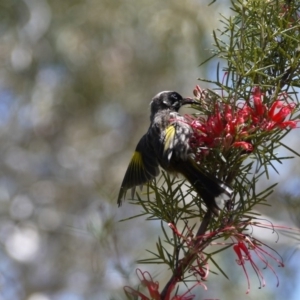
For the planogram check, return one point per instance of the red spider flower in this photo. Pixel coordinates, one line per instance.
(244, 248)
(277, 115)
(268, 118)
(147, 281)
(230, 126)
(152, 287)
(225, 128)
(185, 296)
(200, 267)
(259, 107)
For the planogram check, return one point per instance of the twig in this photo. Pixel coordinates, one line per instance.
(190, 256)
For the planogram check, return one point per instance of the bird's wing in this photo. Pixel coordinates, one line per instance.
(176, 139)
(169, 141)
(142, 168)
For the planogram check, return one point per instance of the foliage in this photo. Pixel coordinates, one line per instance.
(237, 132)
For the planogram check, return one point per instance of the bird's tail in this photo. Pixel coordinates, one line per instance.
(207, 186)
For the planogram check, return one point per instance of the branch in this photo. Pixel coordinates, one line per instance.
(190, 256)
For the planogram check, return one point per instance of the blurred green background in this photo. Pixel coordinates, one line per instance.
(76, 79)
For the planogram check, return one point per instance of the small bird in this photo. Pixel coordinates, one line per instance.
(166, 144)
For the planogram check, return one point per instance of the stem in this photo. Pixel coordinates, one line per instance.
(203, 226)
(190, 256)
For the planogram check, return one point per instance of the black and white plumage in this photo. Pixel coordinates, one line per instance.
(166, 144)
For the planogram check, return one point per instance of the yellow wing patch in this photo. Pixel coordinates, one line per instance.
(137, 160)
(169, 138)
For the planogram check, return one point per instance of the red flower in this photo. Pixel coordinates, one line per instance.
(184, 296)
(243, 249)
(230, 126)
(257, 99)
(246, 146)
(146, 280)
(277, 114)
(269, 118)
(201, 267)
(152, 287)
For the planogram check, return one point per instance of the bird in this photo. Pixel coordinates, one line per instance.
(166, 145)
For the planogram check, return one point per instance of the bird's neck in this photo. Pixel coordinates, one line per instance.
(164, 114)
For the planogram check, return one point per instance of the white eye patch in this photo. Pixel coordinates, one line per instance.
(175, 104)
(174, 96)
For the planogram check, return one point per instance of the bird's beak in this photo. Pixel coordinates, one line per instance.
(189, 100)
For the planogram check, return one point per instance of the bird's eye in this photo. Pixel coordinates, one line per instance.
(174, 96)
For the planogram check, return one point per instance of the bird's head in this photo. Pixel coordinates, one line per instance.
(169, 100)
